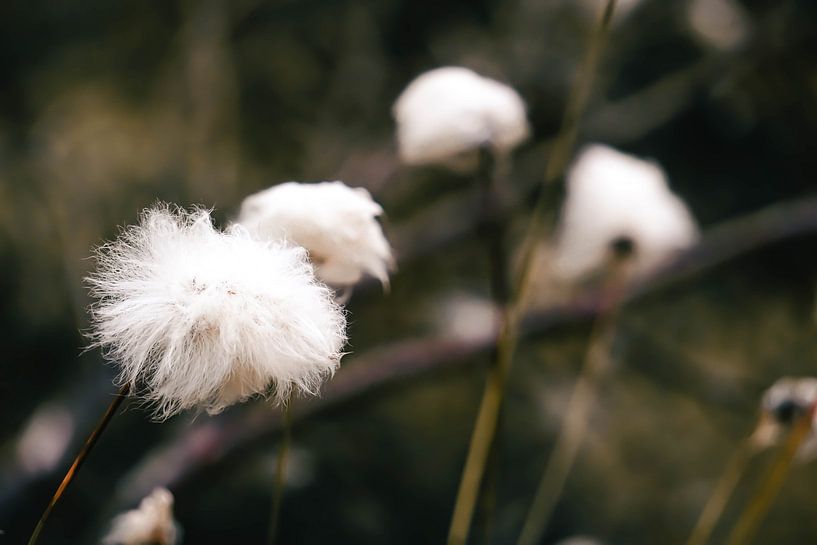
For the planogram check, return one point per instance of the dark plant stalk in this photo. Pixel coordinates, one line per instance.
(280, 471)
(80, 459)
(715, 505)
(755, 511)
(485, 426)
(491, 228)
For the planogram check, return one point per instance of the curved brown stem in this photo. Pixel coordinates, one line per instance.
(80, 459)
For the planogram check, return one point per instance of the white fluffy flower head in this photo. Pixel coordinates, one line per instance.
(786, 401)
(152, 523)
(337, 225)
(449, 111)
(614, 197)
(202, 318)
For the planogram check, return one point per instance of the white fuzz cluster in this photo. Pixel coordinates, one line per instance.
(613, 198)
(786, 401)
(152, 523)
(451, 111)
(204, 319)
(337, 225)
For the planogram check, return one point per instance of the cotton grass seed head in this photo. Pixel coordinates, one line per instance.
(783, 405)
(452, 111)
(151, 524)
(337, 225)
(200, 318)
(618, 204)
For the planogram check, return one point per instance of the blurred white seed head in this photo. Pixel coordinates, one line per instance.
(616, 200)
(203, 319)
(783, 404)
(336, 224)
(448, 112)
(464, 316)
(45, 438)
(719, 24)
(150, 524)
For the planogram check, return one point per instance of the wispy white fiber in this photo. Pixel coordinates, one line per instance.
(150, 524)
(612, 197)
(449, 111)
(200, 318)
(337, 225)
(783, 404)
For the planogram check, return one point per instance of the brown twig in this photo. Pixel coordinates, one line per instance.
(84, 452)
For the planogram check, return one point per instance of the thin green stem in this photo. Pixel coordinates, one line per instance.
(715, 505)
(488, 415)
(280, 471)
(84, 452)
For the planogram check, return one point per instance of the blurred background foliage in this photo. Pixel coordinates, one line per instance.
(106, 107)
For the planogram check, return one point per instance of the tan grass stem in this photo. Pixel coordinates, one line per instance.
(755, 511)
(597, 365)
(715, 505)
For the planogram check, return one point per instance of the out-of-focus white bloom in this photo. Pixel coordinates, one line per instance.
(720, 24)
(786, 401)
(152, 523)
(612, 198)
(465, 316)
(204, 318)
(44, 439)
(451, 111)
(337, 225)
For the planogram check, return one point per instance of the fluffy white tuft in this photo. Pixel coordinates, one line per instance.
(783, 403)
(152, 523)
(337, 225)
(449, 111)
(204, 318)
(612, 196)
